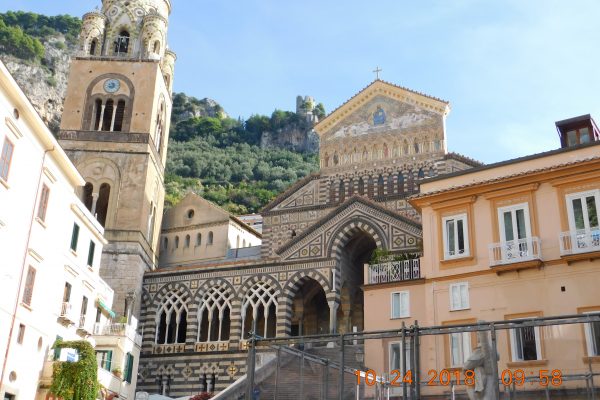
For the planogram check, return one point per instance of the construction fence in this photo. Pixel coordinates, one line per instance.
(529, 358)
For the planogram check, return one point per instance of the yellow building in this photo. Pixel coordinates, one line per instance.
(506, 241)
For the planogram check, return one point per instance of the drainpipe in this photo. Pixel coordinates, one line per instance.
(14, 314)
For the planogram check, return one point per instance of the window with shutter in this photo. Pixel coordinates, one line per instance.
(74, 237)
(45, 195)
(29, 282)
(400, 305)
(456, 236)
(6, 158)
(459, 296)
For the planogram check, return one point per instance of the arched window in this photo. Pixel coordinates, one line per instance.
(370, 188)
(117, 123)
(351, 188)
(361, 186)
(198, 239)
(172, 319)
(237, 242)
(93, 46)
(342, 191)
(326, 162)
(259, 310)
(97, 115)
(122, 43)
(156, 49)
(187, 240)
(336, 159)
(421, 173)
(332, 196)
(400, 183)
(405, 148)
(244, 243)
(416, 146)
(176, 242)
(166, 243)
(411, 182)
(102, 203)
(214, 315)
(390, 184)
(386, 151)
(151, 223)
(380, 186)
(107, 115)
(210, 238)
(87, 198)
(159, 128)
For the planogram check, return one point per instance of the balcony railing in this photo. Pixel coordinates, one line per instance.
(118, 330)
(515, 251)
(395, 271)
(66, 313)
(579, 241)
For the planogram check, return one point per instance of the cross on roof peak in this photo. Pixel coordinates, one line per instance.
(377, 70)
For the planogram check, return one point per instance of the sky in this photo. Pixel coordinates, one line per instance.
(509, 69)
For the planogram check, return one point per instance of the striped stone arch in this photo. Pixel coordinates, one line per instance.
(194, 323)
(185, 294)
(255, 279)
(344, 233)
(293, 284)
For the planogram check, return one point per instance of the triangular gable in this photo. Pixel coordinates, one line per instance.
(301, 194)
(396, 231)
(379, 87)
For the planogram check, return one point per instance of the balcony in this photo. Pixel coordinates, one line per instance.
(516, 252)
(118, 330)
(66, 314)
(82, 329)
(579, 242)
(394, 271)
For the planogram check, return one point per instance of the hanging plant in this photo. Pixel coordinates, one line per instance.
(75, 380)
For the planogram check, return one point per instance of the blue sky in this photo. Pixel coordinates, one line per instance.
(510, 69)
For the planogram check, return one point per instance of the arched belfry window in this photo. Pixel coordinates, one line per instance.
(259, 310)
(156, 48)
(87, 198)
(102, 203)
(390, 182)
(214, 315)
(160, 121)
(107, 115)
(400, 183)
(361, 186)
(342, 191)
(93, 46)
(122, 43)
(380, 186)
(210, 237)
(172, 319)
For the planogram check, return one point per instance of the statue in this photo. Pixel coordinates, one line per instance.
(481, 362)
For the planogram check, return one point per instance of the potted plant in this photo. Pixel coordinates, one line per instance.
(117, 372)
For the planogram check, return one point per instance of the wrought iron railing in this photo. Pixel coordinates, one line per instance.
(120, 329)
(395, 271)
(515, 251)
(579, 241)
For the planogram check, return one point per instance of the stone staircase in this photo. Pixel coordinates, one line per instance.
(312, 374)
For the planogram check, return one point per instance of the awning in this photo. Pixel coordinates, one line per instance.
(106, 308)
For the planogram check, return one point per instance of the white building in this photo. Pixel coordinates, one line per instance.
(49, 273)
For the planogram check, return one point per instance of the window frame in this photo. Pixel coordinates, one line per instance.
(401, 367)
(513, 340)
(465, 344)
(43, 203)
(445, 245)
(459, 285)
(570, 212)
(589, 344)
(106, 359)
(401, 294)
(513, 208)
(6, 162)
(27, 297)
(74, 237)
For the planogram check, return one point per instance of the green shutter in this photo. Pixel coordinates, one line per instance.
(90, 260)
(57, 350)
(128, 368)
(108, 360)
(74, 237)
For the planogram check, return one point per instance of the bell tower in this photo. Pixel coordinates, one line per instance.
(115, 128)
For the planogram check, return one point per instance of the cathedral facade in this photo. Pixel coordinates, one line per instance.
(375, 151)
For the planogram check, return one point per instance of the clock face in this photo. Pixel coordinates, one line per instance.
(112, 85)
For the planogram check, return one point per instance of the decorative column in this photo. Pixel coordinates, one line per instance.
(333, 307)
